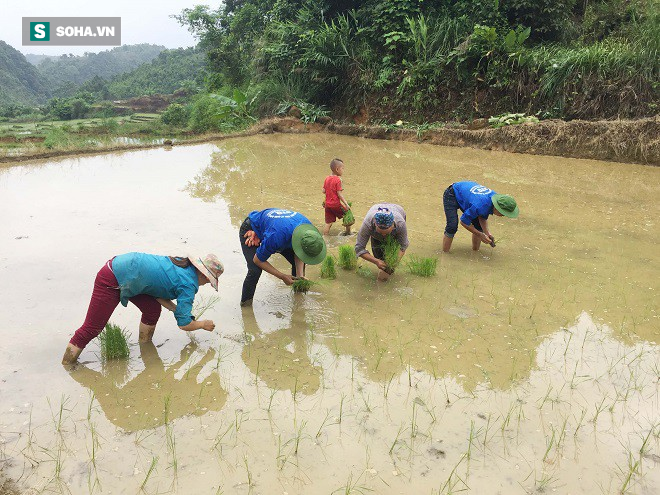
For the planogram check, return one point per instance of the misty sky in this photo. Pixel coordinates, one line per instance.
(142, 21)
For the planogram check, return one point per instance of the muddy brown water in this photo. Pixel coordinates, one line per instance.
(530, 367)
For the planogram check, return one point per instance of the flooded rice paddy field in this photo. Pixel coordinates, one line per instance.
(532, 367)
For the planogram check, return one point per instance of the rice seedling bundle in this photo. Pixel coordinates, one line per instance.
(301, 285)
(328, 268)
(424, 267)
(349, 218)
(347, 259)
(114, 345)
(391, 248)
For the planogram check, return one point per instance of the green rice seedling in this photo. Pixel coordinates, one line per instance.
(391, 249)
(349, 218)
(347, 259)
(424, 267)
(365, 272)
(301, 285)
(152, 467)
(203, 304)
(113, 341)
(328, 268)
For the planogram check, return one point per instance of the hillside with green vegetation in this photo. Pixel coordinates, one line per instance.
(69, 71)
(425, 61)
(169, 71)
(20, 82)
(36, 59)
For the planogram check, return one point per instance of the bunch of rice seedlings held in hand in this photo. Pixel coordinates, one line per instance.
(301, 285)
(424, 267)
(349, 218)
(113, 343)
(328, 268)
(347, 259)
(391, 249)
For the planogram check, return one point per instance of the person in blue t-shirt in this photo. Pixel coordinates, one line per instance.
(476, 202)
(275, 230)
(150, 282)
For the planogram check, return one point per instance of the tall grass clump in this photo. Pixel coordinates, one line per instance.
(328, 268)
(596, 79)
(391, 248)
(113, 341)
(347, 259)
(424, 267)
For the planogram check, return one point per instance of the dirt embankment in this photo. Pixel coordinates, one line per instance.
(628, 141)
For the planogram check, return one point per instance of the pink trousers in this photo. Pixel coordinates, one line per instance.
(105, 298)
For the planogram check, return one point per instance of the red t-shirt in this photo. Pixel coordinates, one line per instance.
(331, 185)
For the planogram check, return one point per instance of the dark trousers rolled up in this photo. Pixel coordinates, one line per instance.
(254, 272)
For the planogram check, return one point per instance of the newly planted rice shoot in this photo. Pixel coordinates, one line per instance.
(423, 267)
(391, 249)
(113, 341)
(347, 259)
(301, 285)
(328, 268)
(365, 272)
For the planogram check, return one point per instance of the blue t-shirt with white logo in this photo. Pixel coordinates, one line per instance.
(474, 199)
(275, 226)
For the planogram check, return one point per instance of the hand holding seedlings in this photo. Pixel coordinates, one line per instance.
(208, 325)
(251, 239)
(381, 264)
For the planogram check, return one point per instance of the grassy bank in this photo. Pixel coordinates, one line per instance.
(627, 141)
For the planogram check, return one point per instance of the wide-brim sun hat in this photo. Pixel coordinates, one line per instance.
(506, 205)
(308, 244)
(210, 266)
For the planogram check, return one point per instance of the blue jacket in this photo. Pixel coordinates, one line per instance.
(157, 276)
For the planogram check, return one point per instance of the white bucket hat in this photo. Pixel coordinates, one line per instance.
(210, 266)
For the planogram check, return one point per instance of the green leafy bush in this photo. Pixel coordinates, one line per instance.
(175, 114)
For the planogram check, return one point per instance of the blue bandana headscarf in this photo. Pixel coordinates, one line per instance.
(384, 218)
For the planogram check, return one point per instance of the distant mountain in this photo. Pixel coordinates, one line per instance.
(35, 59)
(20, 81)
(67, 69)
(169, 71)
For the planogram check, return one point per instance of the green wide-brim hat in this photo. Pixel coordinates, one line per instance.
(506, 205)
(308, 244)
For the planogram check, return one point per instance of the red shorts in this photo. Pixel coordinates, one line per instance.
(332, 213)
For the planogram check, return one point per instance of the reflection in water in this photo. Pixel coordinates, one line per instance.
(280, 358)
(481, 317)
(141, 402)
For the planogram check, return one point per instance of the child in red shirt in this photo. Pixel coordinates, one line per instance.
(335, 204)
